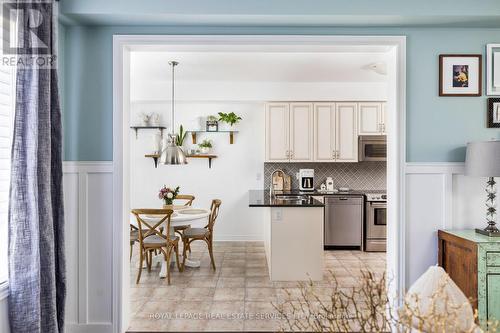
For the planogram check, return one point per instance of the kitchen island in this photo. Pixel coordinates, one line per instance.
(293, 234)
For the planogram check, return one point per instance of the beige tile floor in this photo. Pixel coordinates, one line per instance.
(238, 296)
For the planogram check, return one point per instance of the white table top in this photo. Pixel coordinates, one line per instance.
(179, 216)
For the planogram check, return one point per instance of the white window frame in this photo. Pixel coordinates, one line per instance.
(4, 283)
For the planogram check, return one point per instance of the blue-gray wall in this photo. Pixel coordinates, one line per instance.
(437, 127)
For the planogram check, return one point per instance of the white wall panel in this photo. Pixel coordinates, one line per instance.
(424, 216)
(100, 246)
(88, 197)
(70, 183)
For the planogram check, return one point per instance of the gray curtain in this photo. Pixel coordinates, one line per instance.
(36, 222)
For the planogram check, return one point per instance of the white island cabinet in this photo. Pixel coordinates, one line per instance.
(293, 238)
(293, 235)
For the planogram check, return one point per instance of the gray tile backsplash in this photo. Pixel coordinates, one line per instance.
(357, 176)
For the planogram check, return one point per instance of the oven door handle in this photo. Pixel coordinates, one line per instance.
(378, 204)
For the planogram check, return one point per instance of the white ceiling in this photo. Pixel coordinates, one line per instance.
(346, 65)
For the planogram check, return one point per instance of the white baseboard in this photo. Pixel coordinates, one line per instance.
(239, 238)
(89, 328)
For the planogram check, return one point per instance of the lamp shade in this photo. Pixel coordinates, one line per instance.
(482, 159)
(173, 154)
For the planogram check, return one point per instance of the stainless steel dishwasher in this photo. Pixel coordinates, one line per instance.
(344, 221)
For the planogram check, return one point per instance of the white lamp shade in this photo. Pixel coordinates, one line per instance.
(482, 159)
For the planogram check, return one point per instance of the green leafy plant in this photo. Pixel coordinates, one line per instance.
(211, 118)
(205, 144)
(179, 138)
(229, 118)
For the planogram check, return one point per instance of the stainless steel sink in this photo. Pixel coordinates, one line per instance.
(291, 197)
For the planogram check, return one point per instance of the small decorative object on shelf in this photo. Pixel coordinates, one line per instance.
(229, 120)
(157, 138)
(212, 124)
(482, 159)
(168, 195)
(205, 146)
(145, 118)
(154, 119)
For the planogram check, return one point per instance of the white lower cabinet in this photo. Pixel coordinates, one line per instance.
(335, 132)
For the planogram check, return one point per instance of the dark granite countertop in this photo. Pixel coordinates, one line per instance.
(262, 198)
(324, 193)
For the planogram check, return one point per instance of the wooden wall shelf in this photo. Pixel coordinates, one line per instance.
(156, 157)
(137, 128)
(231, 135)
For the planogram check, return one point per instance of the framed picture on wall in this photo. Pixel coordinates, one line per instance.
(493, 113)
(493, 69)
(460, 75)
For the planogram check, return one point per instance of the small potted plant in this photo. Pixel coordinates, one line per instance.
(212, 124)
(168, 195)
(180, 137)
(205, 146)
(229, 119)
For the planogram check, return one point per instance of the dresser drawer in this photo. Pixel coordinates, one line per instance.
(493, 259)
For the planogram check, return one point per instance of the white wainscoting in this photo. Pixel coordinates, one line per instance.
(88, 200)
(438, 196)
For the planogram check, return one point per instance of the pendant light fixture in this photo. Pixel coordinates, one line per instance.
(173, 154)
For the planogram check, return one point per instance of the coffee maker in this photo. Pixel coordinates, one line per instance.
(306, 179)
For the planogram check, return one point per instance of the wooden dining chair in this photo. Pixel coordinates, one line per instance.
(205, 234)
(134, 238)
(153, 239)
(188, 198)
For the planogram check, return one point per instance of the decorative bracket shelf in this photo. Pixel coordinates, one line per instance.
(231, 135)
(137, 128)
(156, 157)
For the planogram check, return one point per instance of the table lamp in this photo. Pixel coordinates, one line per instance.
(482, 159)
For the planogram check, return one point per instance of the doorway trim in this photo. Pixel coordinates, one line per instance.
(396, 139)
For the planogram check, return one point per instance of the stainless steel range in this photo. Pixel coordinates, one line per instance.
(376, 221)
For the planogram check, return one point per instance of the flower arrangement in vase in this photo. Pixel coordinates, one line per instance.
(168, 195)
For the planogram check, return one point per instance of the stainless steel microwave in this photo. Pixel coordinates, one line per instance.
(372, 148)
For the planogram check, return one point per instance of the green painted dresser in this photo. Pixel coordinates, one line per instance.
(473, 262)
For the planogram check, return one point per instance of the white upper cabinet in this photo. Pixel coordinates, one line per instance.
(336, 132)
(371, 118)
(346, 138)
(277, 131)
(382, 119)
(301, 132)
(324, 132)
(289, 132)
(320, 132)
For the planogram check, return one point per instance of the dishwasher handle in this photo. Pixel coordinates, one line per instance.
(350, 200)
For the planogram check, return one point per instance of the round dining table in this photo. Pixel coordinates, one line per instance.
(182, 215)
